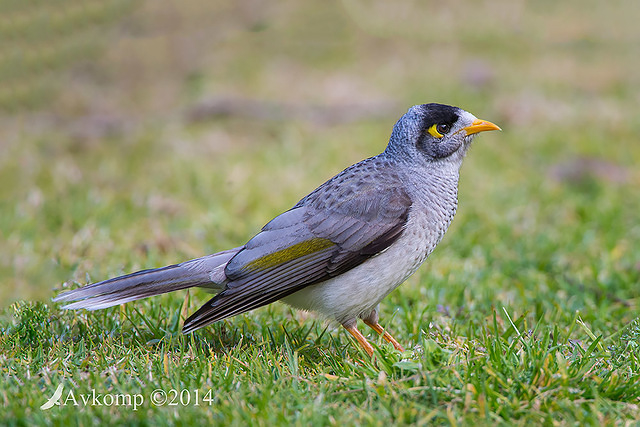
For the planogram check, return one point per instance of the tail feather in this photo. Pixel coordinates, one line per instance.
(207, 272)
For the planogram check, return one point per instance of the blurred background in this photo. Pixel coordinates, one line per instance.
(135, 134)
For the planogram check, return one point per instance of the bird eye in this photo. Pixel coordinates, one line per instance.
(438, 131)
(442, 129)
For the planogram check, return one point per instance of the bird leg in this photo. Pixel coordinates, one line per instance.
(386, 335)
(360, 338)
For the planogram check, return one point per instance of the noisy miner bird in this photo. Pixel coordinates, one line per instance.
(341, 249)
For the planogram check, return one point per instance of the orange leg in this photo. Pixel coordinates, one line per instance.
(360, 338)
(386, 335)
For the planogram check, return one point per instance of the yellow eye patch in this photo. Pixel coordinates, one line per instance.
(433, 130)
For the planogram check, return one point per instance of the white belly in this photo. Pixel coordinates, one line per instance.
(358, 291)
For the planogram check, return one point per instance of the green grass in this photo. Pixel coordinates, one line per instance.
(527, 312)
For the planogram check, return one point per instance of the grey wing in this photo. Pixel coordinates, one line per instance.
(346, 221)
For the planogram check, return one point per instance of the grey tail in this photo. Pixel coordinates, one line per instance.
(206, 272)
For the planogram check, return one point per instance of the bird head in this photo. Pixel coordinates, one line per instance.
(435, 134)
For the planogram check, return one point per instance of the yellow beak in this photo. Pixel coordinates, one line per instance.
(480, 126)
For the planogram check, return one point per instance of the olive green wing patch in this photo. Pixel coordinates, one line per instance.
(296, 251)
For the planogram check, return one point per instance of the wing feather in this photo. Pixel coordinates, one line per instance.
(350, 218)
